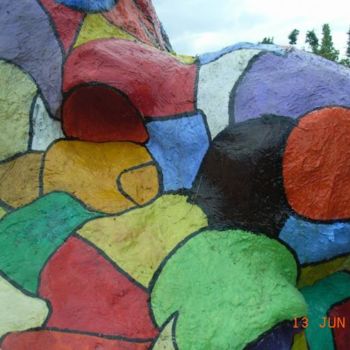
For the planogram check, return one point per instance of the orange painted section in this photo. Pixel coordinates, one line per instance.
(90, 171)
(316, 165)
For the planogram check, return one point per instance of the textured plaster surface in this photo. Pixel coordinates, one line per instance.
(18, 310)
(17, 91)
(100, 299)
(165, 339)
(187, 284)
(56, 340)
(212, 56)
(315, 272)
(39, 55)
(216, 81)
(178, 146)
(29, 235)
(19, 179)
(138, 71)
(45, 129)
(290, 85)
(315, 242)
(95, 26)
(316, 165)
(139, 240)
(320, 297)
(97, 167)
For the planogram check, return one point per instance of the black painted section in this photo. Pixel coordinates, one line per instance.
(240, 181)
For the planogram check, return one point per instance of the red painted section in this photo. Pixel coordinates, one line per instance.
(88, 294)
(145, 26)
(316, 165)
(101, 114)
(52, 340)
(66, 20)
(341, 334)
(156, 83)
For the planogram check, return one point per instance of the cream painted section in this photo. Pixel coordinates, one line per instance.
(17, 91)
(45, 129)
(216, 81)
(18, 311)
(165, 339)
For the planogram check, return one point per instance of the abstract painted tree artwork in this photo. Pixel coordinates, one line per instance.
(156, 201)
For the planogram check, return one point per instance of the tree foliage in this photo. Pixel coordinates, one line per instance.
(348, 45)
(267, 40)
(327, 49)
(312, 40)
(293, 37)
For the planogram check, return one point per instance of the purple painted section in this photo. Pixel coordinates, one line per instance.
(280, 338)
(290, 86)
(27, 40)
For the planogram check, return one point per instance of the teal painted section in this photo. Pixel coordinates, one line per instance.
(29, 235)
(320, 297)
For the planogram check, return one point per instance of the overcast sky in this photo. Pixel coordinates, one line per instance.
(198, 26)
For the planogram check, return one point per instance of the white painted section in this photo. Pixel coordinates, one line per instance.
(18, 311)
(216, 81)
(45, 129)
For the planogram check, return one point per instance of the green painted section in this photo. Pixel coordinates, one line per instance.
(17, 91)
(228, 287)
(28, 236)
(320, 297)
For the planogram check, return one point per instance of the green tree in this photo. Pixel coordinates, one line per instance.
(293, 37)
(267, 40)
(345, 62)
(348, 45)
(327, 49)
(312, 40)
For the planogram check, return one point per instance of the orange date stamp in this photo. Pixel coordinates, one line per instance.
(326, 322)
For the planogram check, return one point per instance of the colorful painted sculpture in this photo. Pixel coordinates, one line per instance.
(155, 201)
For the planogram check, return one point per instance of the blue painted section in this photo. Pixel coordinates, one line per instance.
(89, 5)
(212, 56)
(315, 242)
(178, 145)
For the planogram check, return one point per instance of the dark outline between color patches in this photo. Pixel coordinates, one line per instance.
(129, 170)
(68, 331)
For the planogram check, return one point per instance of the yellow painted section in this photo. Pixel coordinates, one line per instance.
(17, 91)
(89, 171)
(95, 27)
(19, 183)
(313, 273)
(3, 212)
(18, 311)
(184, 58)
(165, 339)
(139, 240)
(300, 342)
